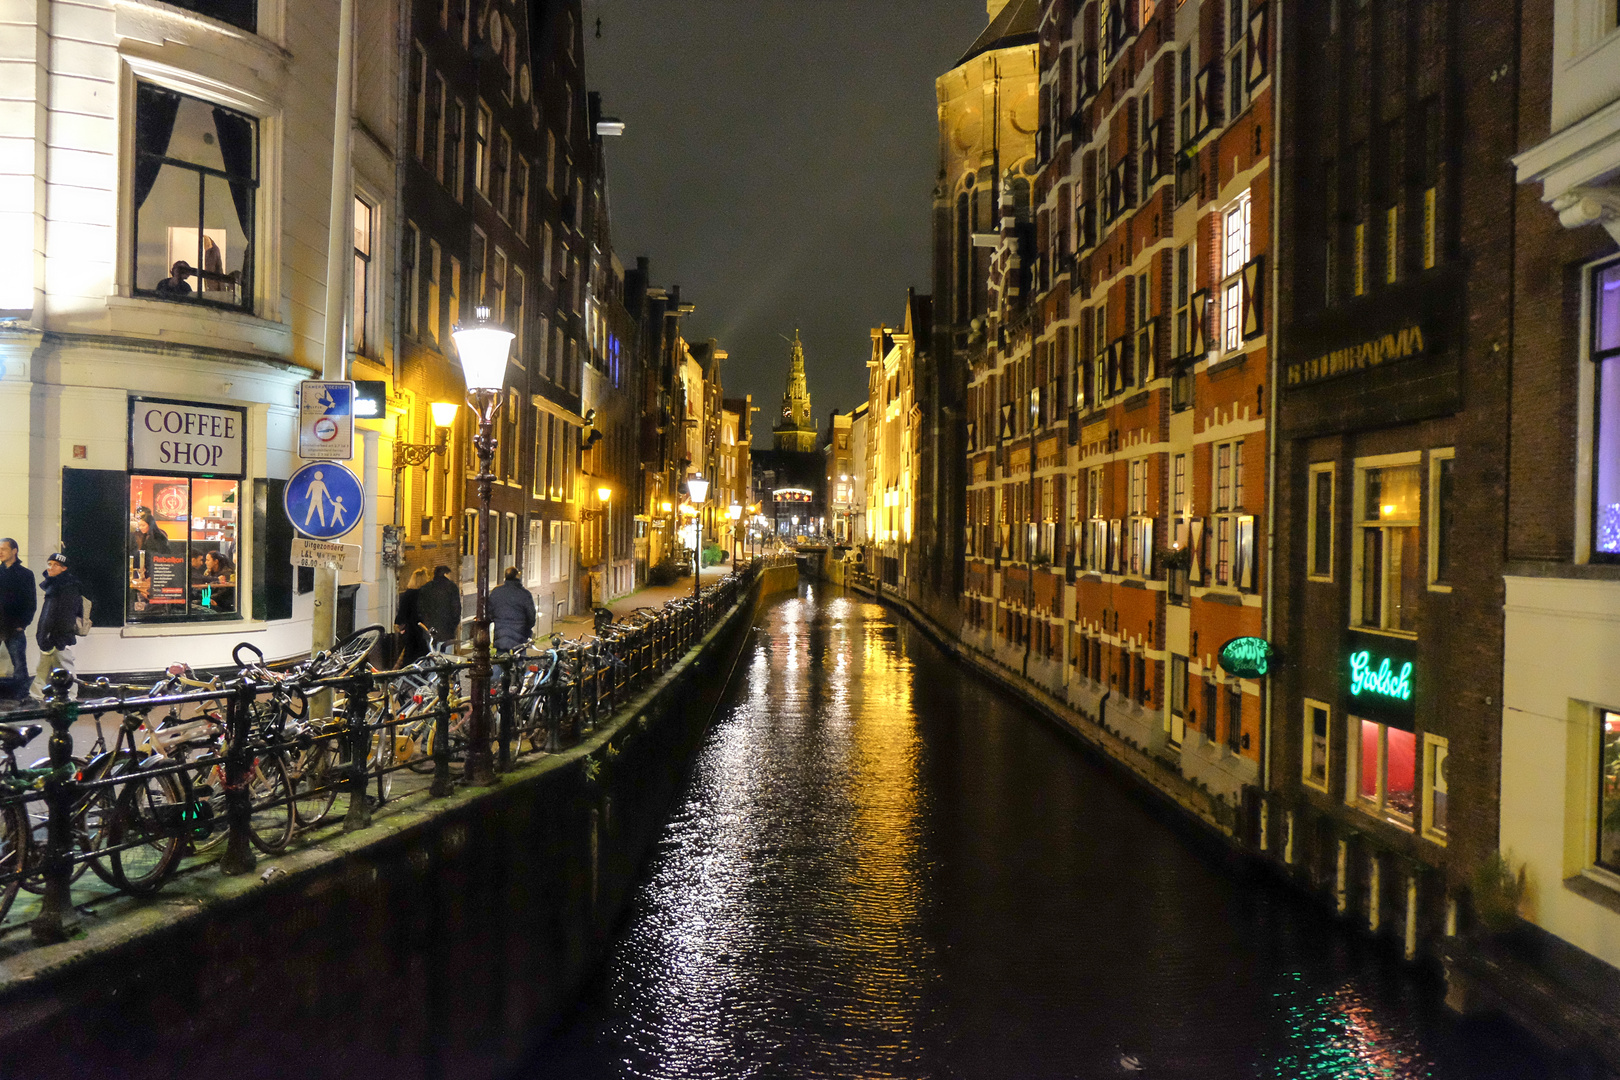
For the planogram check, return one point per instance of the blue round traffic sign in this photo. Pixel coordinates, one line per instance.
(324, 500)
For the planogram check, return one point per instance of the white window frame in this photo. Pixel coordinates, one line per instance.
(1237, 247)
(1379, 806)
(1316, 470)
(1308, 744)
(1432, 518)
(483, 126)
(1357, 526)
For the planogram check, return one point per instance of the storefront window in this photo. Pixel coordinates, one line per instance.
(182, 548)
(1606, 455)
(195, 182)
(1608, 853)
(1385, 763)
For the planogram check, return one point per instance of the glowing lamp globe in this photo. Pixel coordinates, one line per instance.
(603, 494)
(483, 348)
(698, 487)
(444, 413)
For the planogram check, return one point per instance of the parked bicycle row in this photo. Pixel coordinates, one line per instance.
(244, 763)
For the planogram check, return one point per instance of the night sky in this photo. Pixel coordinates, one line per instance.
(778, 165)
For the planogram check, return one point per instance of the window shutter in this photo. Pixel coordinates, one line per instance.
(91, 499)
(1254, 296)
(1200, 323)
(1115, 544)
(1195, 572)
(1259, 45)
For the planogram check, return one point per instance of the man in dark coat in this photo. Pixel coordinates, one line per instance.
(57, 631)
(17, 603)
(511, 610)
(438, 604)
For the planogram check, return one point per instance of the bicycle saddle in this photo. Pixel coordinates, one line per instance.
(14, 735)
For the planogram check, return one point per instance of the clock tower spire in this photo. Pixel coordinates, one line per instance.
(796, 431)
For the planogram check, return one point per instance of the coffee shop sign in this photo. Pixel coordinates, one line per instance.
(186, 438)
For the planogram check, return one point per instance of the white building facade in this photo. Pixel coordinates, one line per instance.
(163, 290)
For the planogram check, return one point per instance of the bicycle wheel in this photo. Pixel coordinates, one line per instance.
(13, 854)
(208, 786)
(145, 835)
(271, 823)
(314, 783)
(93, 814)
(347, 655)
(380, 761)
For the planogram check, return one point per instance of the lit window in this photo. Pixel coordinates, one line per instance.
(195, 186)
(1608, 846)
(1383, 761)
(360, 327)
(1435, 751)
(1388, 576)
(1235, 254)
(182, 549)
(1316, 745)
(1605, 353)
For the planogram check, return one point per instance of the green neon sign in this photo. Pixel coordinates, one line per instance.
(1384, 681)
(1246, 657)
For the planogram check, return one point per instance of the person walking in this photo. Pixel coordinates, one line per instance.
(57, 631)
(511, 610)
(17, 604)
(408, 619)
(439, 605)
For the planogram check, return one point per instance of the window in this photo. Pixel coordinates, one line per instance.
(1319, 525)
(1178, 699)
(1236, 61)
(469, 534)
(1234, 532)
(520, 198)
(1442, 515)
(495, 289)
(1234, 716)
(481, 150)
(1315, 744)
(1388, 577)
(1141, 549)
(195, 185)
(1383, 761)
(1100, 365)
(1435, 750)
(515, 308)
(410, 256)
(1608, 842)
(477, 268)
(415, 101)
(1237, 227)
(433, 127)
(455, 124)
(551, 162)
(182, 549)
(500, 171)
(435, 304)
(1183, 296)
(359, 330)
(1605, 351)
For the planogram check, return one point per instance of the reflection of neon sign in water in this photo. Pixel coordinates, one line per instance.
(1384, 682)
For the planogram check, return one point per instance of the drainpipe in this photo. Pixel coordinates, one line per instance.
(1273, 343)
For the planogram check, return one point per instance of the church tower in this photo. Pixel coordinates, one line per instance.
(796, 431)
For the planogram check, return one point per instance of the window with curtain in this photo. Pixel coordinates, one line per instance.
(1605, 355)
(195, 183)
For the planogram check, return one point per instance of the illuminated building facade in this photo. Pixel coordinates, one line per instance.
(893, 426)
(163, 290)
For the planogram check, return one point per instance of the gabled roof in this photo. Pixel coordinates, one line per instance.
(1017, 24)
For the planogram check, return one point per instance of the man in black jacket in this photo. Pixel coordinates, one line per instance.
(57, 631)
(17, 603)
(511, 610)
(438, 604)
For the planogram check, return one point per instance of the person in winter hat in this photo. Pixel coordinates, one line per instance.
(57, 631)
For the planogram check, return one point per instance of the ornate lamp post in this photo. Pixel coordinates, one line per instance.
(698, 488)
(408, 455)
(483, 348)
(604, 495)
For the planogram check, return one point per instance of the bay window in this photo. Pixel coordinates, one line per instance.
(1605, 354)
(195, 184)
(1388, 577)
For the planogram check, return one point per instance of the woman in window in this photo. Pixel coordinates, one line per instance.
(148, 537)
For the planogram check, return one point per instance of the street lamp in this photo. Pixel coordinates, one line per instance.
(483, 348)
(407, 454)
(604, 495)
(698, 488)
(735, 514)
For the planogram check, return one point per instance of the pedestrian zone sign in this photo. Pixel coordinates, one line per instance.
(324, 500)
(325, 420)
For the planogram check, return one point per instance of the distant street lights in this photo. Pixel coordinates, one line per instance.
(698, 488)
(483, 348)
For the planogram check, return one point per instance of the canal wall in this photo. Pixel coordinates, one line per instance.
(439, 943)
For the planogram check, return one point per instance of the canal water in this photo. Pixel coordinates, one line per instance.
(883, 867)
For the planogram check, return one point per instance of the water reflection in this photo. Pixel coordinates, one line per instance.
(883, 869)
